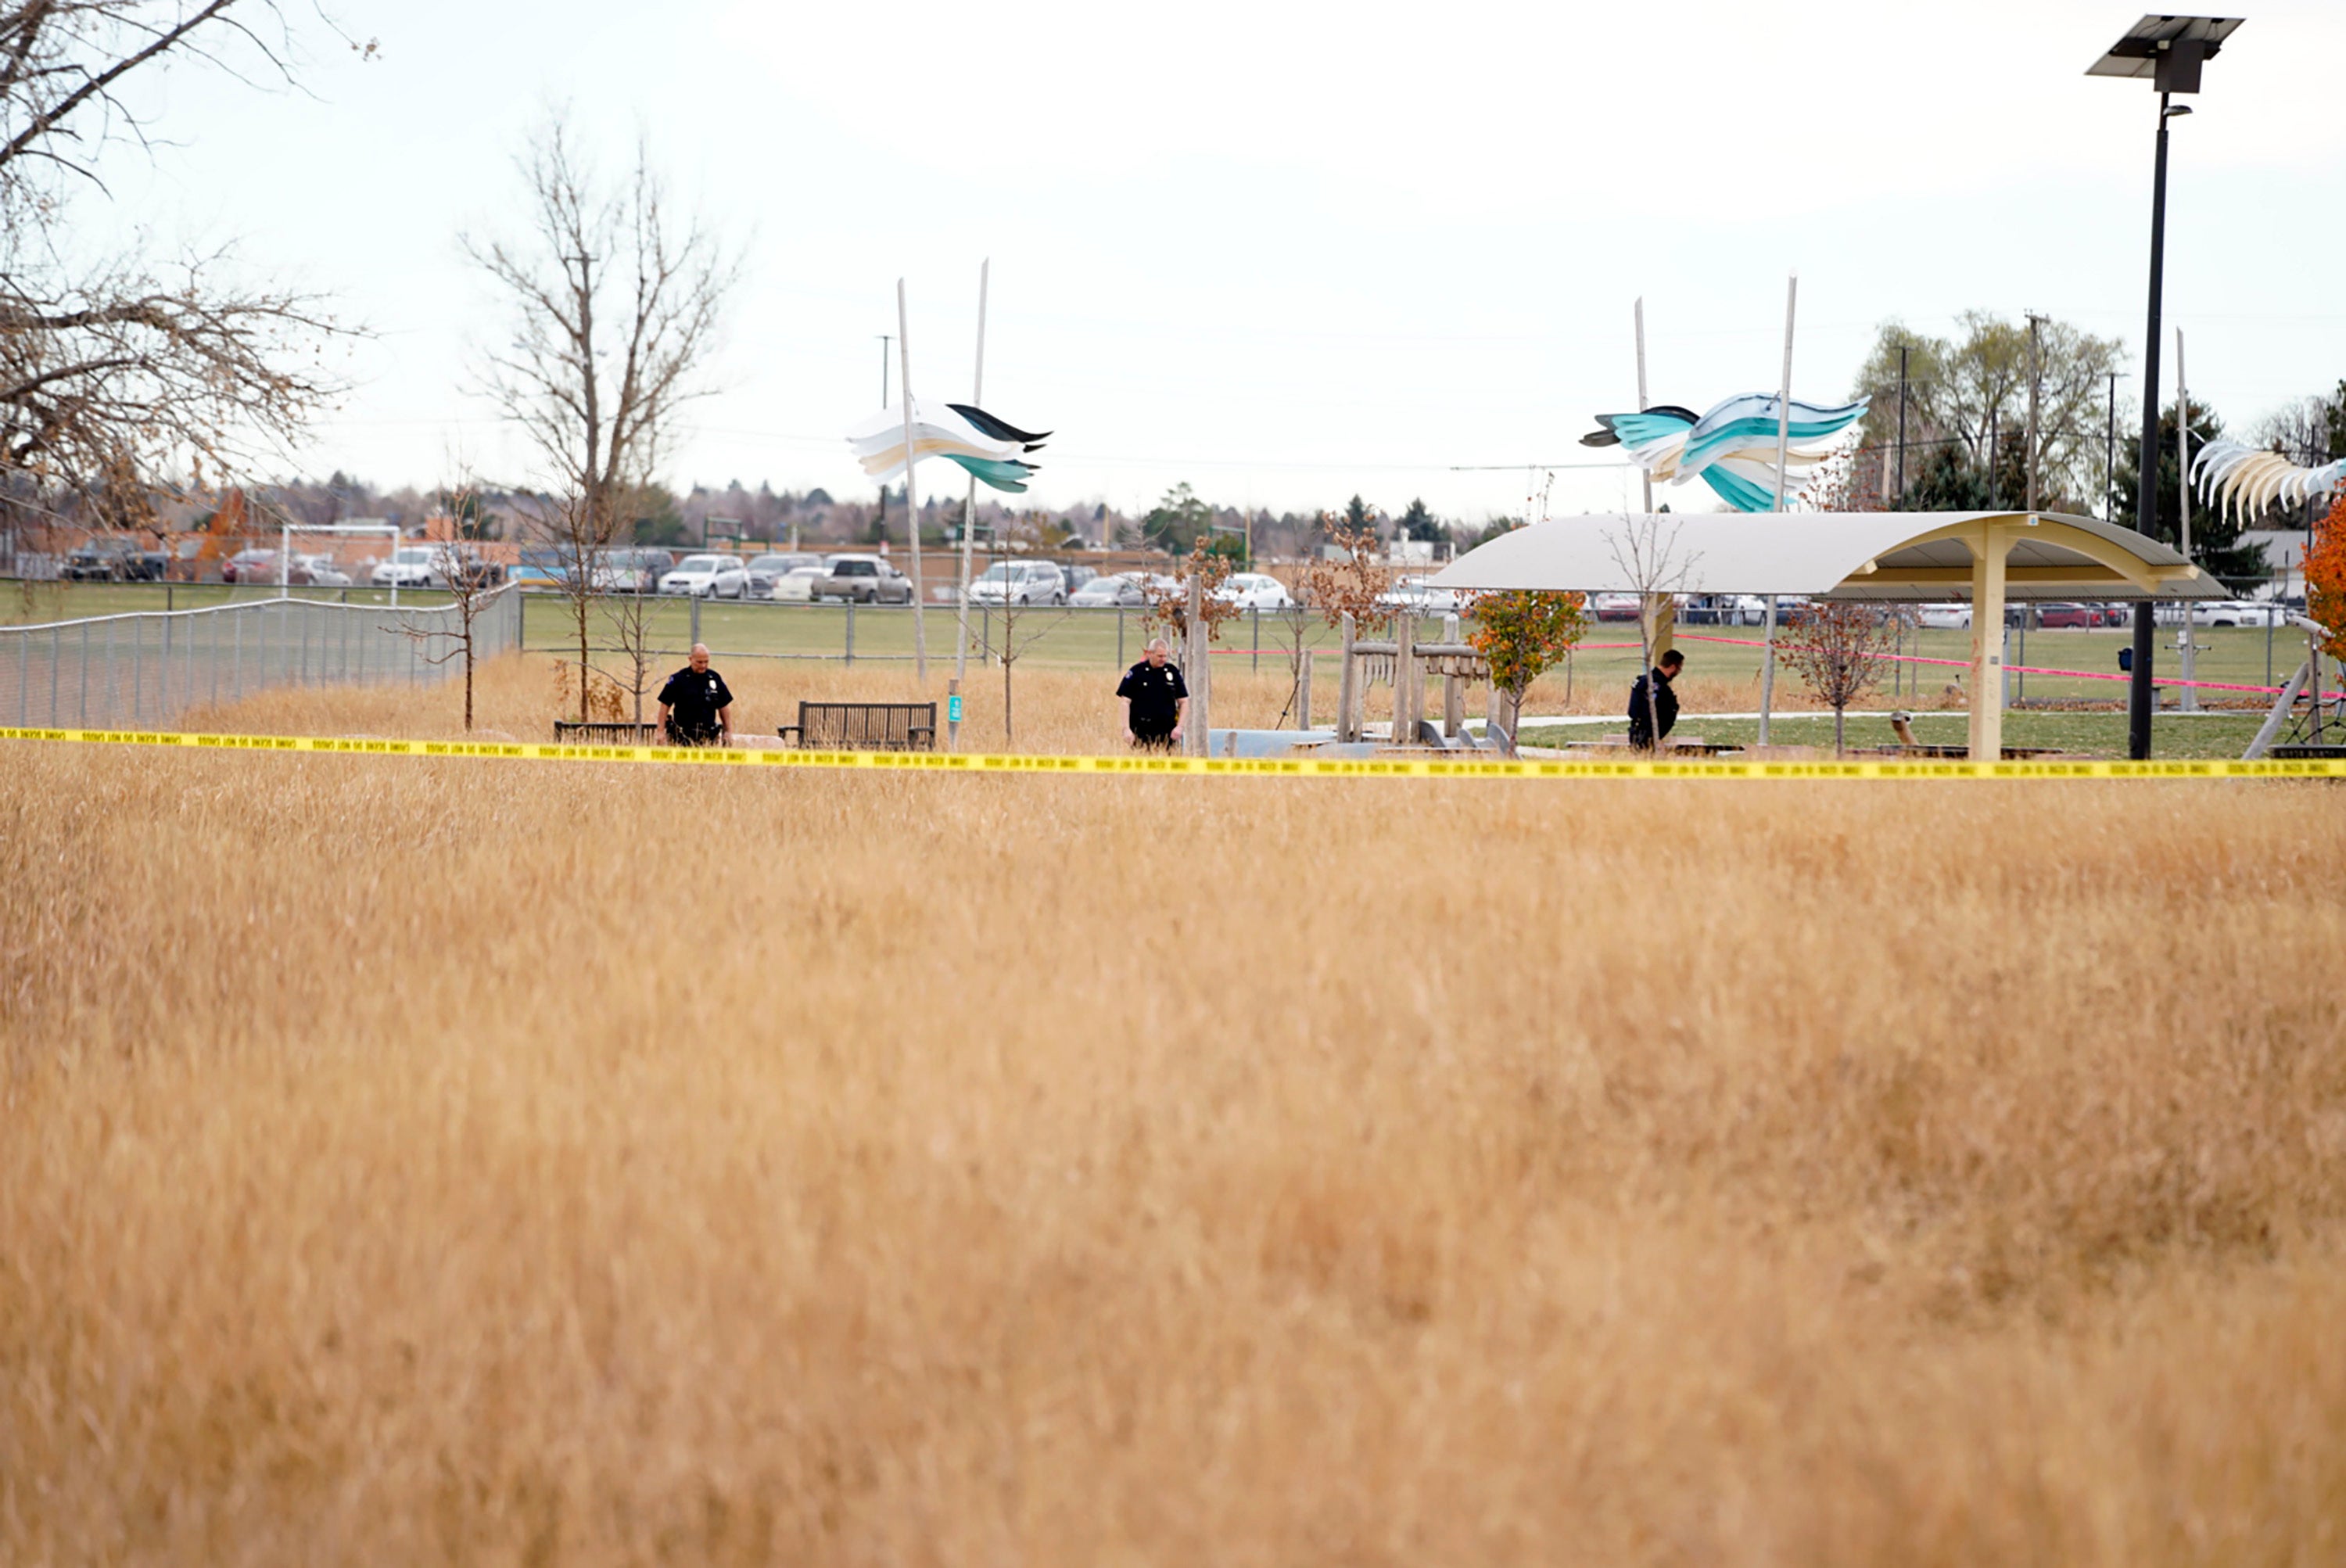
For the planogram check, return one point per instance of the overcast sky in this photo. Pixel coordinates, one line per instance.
(1284, 252)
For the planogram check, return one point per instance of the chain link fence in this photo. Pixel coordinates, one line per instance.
(142, 670)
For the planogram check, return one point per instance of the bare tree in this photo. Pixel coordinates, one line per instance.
(1653, 565)
(113, 366)
(632, 614)
(1840, 651)
(616, 308)
(473, 585)
(1012, 644)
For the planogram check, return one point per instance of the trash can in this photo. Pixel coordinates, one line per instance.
(2126, 659)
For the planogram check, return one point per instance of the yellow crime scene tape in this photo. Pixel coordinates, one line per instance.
(1224, 767)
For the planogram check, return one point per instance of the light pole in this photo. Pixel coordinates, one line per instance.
(2167, 51)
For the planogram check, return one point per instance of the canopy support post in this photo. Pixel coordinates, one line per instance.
(1988, 552)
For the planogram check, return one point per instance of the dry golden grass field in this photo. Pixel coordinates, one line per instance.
(411, 1161)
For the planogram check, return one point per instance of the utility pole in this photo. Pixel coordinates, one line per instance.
(2035, 387)
(1901, 422)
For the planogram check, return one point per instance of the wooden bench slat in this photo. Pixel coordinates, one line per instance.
(870, 726)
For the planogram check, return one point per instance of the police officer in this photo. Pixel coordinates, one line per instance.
(1644, 735)
(696, 706)
(1156, 700)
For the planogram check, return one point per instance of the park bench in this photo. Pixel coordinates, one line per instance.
(864, 725)
(603, 732)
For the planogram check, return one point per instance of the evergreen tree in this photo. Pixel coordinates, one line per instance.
(2215, 538)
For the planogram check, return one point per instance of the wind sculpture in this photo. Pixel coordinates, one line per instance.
(2244, 480)
(1732, 448)
(992, 450)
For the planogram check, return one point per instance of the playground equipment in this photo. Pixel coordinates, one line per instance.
(1405, 664)
(2287, 732)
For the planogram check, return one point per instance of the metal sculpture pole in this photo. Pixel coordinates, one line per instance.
(911, 498)
(1783, 456)
(1659, 610)
(968, 520)
(1645, 476)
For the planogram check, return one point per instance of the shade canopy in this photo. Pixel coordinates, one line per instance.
(1878, 555)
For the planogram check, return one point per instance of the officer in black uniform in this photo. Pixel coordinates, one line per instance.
(696, 705)
(1156, 699)
(1664, 705)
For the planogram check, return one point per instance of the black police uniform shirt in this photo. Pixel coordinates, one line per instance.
(1156, 692)
(693, 699)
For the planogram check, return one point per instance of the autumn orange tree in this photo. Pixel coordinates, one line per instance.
(2325, 576)
(1839, 650)
(1523, 635)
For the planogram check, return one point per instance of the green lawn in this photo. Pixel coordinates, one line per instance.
(1086, 639)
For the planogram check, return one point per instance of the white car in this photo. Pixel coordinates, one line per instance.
(323, 572)
(1943, 617)
(1019, 583)
(1419, 597)
(409, 566)
(1254, 591)
(2233, 612)
(707, 578)
(798, 585)
(866, 578)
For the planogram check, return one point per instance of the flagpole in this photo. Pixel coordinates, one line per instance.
(969, 512)
(911, 498)
(1783, 484)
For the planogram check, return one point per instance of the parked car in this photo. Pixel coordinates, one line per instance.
(2233, 612)
(250, 567)
(1255, 591)
(707, 578)
(1076, 577)
(628, 570)
(320, 572)
(462, 564)
(2056, 616)
(1614, 606)
(617, 572)
(767, 570)
(103, 558)
(1115, 590)
(1019, 583)
(409, 566)
(798, 585)
(1944, 617)
(863, 579)
(532, 578)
